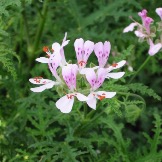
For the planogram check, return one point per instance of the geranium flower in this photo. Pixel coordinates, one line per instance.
(159, 12)
(83, 51)
(143, 29)
(66, 102)
(58, 50)
(96, 80)
(45, 84)
(102, 52)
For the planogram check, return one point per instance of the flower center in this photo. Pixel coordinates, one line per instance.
(45, 49)
(70, 96)
(101, 97)
(37, 79)
(81, 63)
(114, 65)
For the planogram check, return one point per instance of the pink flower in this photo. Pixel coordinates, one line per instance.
(57, 50)
(65, 103)
(83, 51)
(102, 52)
(96, 80)
(159, 12)
(45, 84)
(154, 48)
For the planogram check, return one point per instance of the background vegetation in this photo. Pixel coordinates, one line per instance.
(126, 128)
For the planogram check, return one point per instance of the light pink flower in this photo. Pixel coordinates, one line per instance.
(57, 49)
(83, 51)
(45, 84)
(159, 12)
(96, 80)
(154, 48)
(65, 103)
(102, 52)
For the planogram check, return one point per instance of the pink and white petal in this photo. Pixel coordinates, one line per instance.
(88, 49)
(130, 27)
(98, 50)
(116, 75)
(92, 101)
(106, 52)
(64, 39)
(91, 76)
(56, 47)
(37, 80)
(101, 75)
(106, 94)
(38, 89)
(117, 66)
(159, 12)
(81, 97)
(42, 59)
(78, 45)
(140, 34)
(154, 49)
(65, 43)
(64, 104)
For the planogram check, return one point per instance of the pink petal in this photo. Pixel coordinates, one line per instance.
(140, 34)
(159, 12)
(56, 47)
(42, 59)
(130, 27)
(91, 101)
(39, 80)
(88, 49)
(106, 94)
(154, 48)
(81, 97)
(43, 87)
(98, 49)
(65, 104)
(69, 73)
(78, 44)
(101, 73)
(116, 75)
(116, 65)
(106, 52)
(91, 76)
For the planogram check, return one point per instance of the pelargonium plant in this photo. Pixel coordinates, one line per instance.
(68, 75)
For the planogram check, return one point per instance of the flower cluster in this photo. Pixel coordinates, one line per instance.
(66, 77)
(144, 31)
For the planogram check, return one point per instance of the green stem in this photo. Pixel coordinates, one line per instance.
(85, 110)
(40, 29)
(26, 26)
(139, 69)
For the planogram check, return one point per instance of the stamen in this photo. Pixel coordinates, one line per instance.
(114, 65)
(37, 79)
(70, 96)
(101, 97)
(45, 49)
(81, 63)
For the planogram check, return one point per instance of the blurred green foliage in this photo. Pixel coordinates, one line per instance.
(126, 128)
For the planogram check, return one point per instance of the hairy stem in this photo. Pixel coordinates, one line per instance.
(140, 68)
